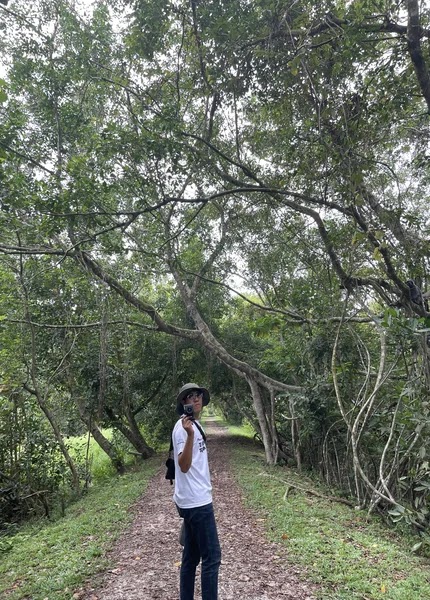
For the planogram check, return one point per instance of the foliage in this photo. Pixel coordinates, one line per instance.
(156, 156)
(340, 548)
(50, 560)
(33, 472)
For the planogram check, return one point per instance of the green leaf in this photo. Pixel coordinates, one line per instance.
(358, 236)
(377, 254)
(398, 510)
(416, 546)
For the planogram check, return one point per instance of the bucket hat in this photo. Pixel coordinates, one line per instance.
(185, 389)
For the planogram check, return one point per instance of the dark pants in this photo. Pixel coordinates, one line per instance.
(201, 542)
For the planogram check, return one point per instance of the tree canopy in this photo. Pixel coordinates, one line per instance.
(247, 179)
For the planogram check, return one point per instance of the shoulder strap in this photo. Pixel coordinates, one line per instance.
(198, 427)
(170, 463)
(201, 430)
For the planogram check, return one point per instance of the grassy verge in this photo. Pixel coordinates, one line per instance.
(49, 560)
(349, 556)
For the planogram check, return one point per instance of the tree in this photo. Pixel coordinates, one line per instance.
(188, 149)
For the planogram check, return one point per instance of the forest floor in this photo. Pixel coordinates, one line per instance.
(145, 560)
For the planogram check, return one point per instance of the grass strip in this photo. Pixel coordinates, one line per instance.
(349, 556)
(49, 560)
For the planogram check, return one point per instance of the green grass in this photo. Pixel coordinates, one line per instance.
(241, 431)
(49, 560)
(101, 467)
(349, 556)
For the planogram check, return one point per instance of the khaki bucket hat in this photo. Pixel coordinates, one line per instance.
(185, 389)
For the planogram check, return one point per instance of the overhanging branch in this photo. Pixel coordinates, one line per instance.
(414, 34)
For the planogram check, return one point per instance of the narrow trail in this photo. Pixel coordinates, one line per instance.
(146, 558)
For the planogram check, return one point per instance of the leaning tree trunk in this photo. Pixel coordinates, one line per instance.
(202, 334)
(131, 433)
(57, 433)
(101, 440)
(267, 433)
(139, 442)
(40, 396)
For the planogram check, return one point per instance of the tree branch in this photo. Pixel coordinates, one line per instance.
(414, 34)
(77, 326)
(159, 324)
(27, 158)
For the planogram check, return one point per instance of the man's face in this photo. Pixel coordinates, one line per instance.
(194, 397)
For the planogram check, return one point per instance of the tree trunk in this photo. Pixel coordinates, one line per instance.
(140, 443)
(204, 336)
(131, 433)
(57, 433)
(103, 442)
(295, 436)
(266, 433)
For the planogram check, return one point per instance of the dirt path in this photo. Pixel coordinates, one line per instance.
(147, 557)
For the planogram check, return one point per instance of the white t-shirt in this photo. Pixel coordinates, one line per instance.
(192, 489)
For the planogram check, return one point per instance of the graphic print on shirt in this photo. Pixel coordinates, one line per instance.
(202, 445)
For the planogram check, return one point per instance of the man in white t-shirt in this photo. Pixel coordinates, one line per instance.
(193, 496)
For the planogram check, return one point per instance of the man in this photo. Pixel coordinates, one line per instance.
(193, 496)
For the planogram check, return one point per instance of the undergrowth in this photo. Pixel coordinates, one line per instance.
(349, 556)
(48, 560)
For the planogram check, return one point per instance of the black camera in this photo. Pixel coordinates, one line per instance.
(189, 411)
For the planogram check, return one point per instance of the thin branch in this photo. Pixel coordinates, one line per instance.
(159, 324)
(27, 158)
(126, 213)
(24, 20)
(31, 251)
(77, 326)
(386, 26)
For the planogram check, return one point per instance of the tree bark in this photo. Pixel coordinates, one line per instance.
(131, 432)
(140, 443)
(101, 440)
(415, 50)
(209, 341)
(266, 433)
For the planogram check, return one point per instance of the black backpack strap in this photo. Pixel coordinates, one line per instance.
(170, 464)
(201, 431)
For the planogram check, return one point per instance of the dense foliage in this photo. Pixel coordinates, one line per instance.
(233, 192)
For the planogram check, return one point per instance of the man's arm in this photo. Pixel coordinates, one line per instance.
(186, 457)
